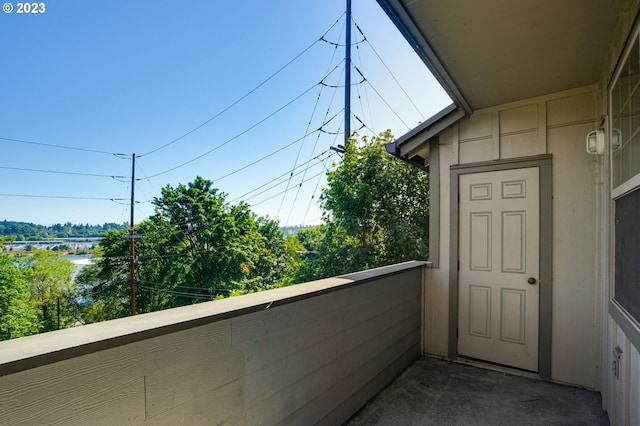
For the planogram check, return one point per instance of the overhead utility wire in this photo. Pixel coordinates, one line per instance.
(264, 157)
(95, 151)
(384, 100)
(153, 188)
(63, 173)
(63, 197)
(179, 226)
(313, 113)
(391, 73)
(295, 199)
(366, 92)
(274, 152)
(236, 136)
(177, 293)
(279, 177)
(160, 285)
(282, 192)
(275, 185)
(304, 174)
(340, 45)
(313, 194)
(245, 95)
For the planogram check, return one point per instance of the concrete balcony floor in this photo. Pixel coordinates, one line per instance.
(435, 392)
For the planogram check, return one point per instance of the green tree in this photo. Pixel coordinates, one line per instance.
(104, 284)
(376, 212)
(295, 260)
(195, 247)
(50, 281)
(18, 314)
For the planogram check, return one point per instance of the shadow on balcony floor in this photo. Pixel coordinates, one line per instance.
(435, 392)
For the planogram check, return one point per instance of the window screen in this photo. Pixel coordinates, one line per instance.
(627, 252)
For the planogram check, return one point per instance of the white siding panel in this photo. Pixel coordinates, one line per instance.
(476, 150)
(577, 108)
(514, 120)
(634, 382)
(476, 127)
(575, 344)
(521, 145)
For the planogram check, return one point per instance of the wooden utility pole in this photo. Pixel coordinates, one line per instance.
(347, 79)
(132, 246)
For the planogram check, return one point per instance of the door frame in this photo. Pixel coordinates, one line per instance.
(544, 163)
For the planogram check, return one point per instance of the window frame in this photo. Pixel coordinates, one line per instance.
(627, 322)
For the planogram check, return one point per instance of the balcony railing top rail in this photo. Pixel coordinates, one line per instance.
(42, 349)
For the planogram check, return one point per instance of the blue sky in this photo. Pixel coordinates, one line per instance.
(108, 76)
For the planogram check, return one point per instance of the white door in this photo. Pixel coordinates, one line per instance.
(499, 252)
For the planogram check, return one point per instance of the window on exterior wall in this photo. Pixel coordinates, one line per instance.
(627, 266)
(625, 114)
(624, 104)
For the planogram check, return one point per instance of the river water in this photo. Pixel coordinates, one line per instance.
(80, 261)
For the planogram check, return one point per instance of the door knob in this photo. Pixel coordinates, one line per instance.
(531, 280)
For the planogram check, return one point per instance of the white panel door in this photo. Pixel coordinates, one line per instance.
(499, 252)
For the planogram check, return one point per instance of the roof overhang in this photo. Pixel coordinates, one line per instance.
(488, 53)
(414, 147)
(492, 52)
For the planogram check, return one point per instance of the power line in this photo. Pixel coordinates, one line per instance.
(95, 151)
(240, 99)
(312, 151)
(175, 290)
(317, 137)
(236, 136)
(276, 178)
(62, 172)
(274, 152)
(364, 87)
(386, 103)
(166, 256)
(242, 197)
(313, 113)
(264, 157)
(366, 93)
(389, 70)
(282, 192)
(315, 190)
(340, 45)
(179, 286)
(63, 197)
(176, 293)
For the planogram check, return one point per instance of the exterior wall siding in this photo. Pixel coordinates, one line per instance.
(307, 354)
(555, 124)
(575, 357)
(623, 389)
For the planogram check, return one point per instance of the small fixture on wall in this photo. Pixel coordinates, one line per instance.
(616, 139)
(595, 142)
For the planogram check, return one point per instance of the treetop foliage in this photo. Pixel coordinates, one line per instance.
(376, 212)
(198, 247)
(36, 294)
(195, 247)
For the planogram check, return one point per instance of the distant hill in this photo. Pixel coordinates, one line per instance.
(24, 231)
